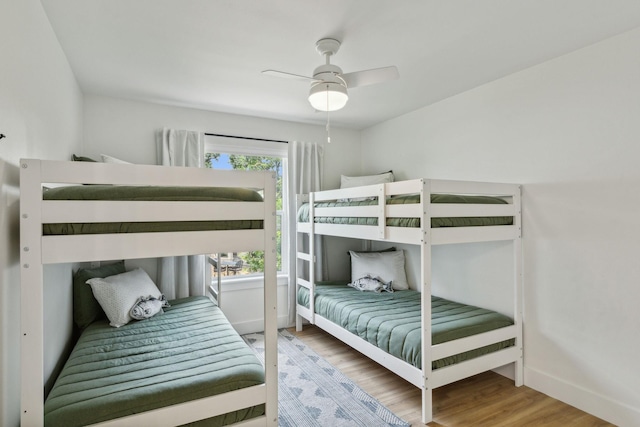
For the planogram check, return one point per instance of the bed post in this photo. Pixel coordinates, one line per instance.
(270, 301)
(425, 280)
(382, 215)
(312, 258)
(300, 199)
(518, 286)
(31, 296)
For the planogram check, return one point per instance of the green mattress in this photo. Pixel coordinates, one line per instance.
(303, 212)
(189, 352)
(391, 321)
(150, 193)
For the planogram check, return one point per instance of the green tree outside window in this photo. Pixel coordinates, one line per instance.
(254, 261)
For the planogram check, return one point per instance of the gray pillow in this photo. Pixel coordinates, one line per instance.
(86, 308)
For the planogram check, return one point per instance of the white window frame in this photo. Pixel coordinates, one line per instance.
(255, 147)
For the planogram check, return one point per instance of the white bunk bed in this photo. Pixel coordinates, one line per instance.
(38, 249)
(425, 377)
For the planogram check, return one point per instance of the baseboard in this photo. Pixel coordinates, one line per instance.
(595, 404)
(252, 326)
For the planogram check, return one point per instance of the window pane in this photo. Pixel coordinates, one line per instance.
(230, 264)
(249, 263)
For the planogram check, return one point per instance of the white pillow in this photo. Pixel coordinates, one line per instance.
(119, 293)
(109, 159)
(358, 181)
(388, 266)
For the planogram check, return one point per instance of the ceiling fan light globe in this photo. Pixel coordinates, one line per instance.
(328, 96)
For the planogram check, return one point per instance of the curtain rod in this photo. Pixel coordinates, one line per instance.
(246, 137)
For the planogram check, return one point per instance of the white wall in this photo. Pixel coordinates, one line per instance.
(41, 115)
(569, 131)
(127, 129)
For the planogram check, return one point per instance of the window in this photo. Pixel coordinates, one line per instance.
(246, 154)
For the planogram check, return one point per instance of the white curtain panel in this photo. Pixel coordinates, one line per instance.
(306, 174)
(181, 276)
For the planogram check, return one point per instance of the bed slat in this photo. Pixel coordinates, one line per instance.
(443, 210)
(61, 172)
(472, 187)
(348, 211)
(194, 410)
(450, 348)
(97, 247)
(487, 233)
(490, 361)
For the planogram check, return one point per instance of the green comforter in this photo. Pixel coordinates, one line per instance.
(190, 351)
(391, 321)
(149, 193)
(303, 212)
(152, 193)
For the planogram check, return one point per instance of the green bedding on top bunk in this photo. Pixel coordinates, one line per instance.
(189, 352)
(149, 193)
(153, 193)
(391, 321)
(303, 212)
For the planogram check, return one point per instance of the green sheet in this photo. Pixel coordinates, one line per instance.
(190, 351)
(149, 193)
(391, 321)
(303, 212)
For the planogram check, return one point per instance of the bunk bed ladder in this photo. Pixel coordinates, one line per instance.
(306, 260)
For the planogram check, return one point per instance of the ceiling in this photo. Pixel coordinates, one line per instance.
(209, 54)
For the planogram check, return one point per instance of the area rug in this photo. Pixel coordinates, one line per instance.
(312, 392)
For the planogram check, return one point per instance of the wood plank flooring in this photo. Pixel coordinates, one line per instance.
(488, 399)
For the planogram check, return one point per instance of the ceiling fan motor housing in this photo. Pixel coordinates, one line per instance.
(327, 46)
(328, 72)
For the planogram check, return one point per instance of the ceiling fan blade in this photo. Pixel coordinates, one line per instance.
(277, 73)
(370, 77)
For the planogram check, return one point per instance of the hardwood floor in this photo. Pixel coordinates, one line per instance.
(488, 399)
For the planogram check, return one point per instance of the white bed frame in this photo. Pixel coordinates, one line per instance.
(37, 250)
(425, 237)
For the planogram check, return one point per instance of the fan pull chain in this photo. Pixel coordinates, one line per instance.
(328, 119)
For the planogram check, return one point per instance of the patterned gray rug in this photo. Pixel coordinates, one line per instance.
(311, 392)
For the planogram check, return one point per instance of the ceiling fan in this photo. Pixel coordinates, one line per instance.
(329, 84)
